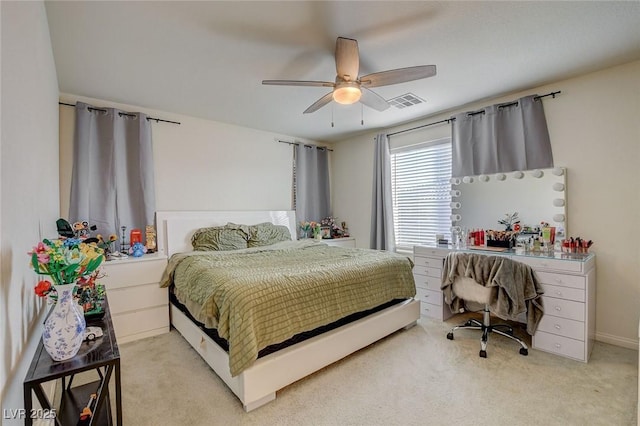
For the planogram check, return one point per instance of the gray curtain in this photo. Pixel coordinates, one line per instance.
(382, 235)
(313, 198)
(501, 138)
(112, 183)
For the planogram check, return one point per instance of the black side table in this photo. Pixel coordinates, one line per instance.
(102, 355)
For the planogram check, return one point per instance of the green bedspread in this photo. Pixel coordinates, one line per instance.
(261, 296)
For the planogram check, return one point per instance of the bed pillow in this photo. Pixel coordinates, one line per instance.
(264, 234)
(220, 238)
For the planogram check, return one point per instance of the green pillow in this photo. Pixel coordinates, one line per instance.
(219, 238)
(264, 234)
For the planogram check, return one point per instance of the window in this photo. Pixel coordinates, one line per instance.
(420, 183)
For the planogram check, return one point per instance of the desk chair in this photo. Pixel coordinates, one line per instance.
(471, 291)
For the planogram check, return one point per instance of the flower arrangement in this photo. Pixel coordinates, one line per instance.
(65, 261)
(305, 227)
(309, 227)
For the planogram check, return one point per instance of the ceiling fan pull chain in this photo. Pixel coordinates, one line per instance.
(361, 114)
(331, 115)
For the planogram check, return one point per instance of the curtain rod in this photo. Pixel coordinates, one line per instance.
(448, 120)
(124, 113)
(305, 144)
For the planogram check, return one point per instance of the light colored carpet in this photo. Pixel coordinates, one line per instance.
(413, 377)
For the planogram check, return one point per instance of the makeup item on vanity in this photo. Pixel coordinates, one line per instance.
(536, 244)
(504, 239)
(576, 245)
(548, 234)
(477, 238)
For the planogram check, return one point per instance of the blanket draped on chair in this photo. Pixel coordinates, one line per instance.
(518, 289)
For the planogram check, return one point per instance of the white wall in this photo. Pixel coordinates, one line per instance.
(595, 132)
(200, 164)
(29, 186)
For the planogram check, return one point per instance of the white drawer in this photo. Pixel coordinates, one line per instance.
(568, 293)
(559, 345)
(563, 308)
(430, 252)
(126, 299)
(553, 264)
(431, 311)
(428, 271)
(428, 261)
(130, 323)
(562, 327)
(428, 283)
(132, 273)
(429, 296)
(575, 281)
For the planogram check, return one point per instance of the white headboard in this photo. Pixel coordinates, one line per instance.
(175, 228)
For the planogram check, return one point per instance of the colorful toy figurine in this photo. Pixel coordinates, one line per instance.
(137, 250)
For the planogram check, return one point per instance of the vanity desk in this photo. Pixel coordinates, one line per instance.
(569, 281)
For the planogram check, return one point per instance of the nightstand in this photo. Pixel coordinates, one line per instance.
(139, 307)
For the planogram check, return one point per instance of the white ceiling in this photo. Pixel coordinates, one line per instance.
(208, 59)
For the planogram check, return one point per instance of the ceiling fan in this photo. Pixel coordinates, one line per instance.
(349, 88)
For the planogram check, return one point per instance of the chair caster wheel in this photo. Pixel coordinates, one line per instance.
(450, 336)
(524, 351)
(483, 354)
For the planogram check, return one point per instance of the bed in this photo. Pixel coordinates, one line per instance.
(255, 381)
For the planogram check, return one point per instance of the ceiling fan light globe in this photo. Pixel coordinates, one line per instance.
(347, 95)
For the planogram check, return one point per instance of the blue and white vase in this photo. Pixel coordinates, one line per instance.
(64, 328)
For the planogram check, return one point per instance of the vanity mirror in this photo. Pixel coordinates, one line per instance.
(537, 196)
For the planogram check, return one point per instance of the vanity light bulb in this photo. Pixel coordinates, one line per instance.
(558, 171)
(455, 205)
(501, 176)
(455, 218)
(558, 218)
(558, 202)
(455, 181)
(537, 173)
(467, 179)
(558, 187)
(518, 174)
(483, 178)
(455, 193)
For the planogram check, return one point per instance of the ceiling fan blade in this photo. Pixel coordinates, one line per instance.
(400, 75)
(373, 100)
(347, 59)
(319, 103)
(298, 83)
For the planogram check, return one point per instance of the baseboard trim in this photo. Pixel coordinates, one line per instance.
(617, 340)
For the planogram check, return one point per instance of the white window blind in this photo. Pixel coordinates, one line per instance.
(420, 182)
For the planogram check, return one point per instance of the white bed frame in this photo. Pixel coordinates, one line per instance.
(258, 384)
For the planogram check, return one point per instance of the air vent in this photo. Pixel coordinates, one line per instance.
(406, 100)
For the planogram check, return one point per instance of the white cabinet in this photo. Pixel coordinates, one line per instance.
(427, 273)
(139, 307)
(341, 242)
(567, 327)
